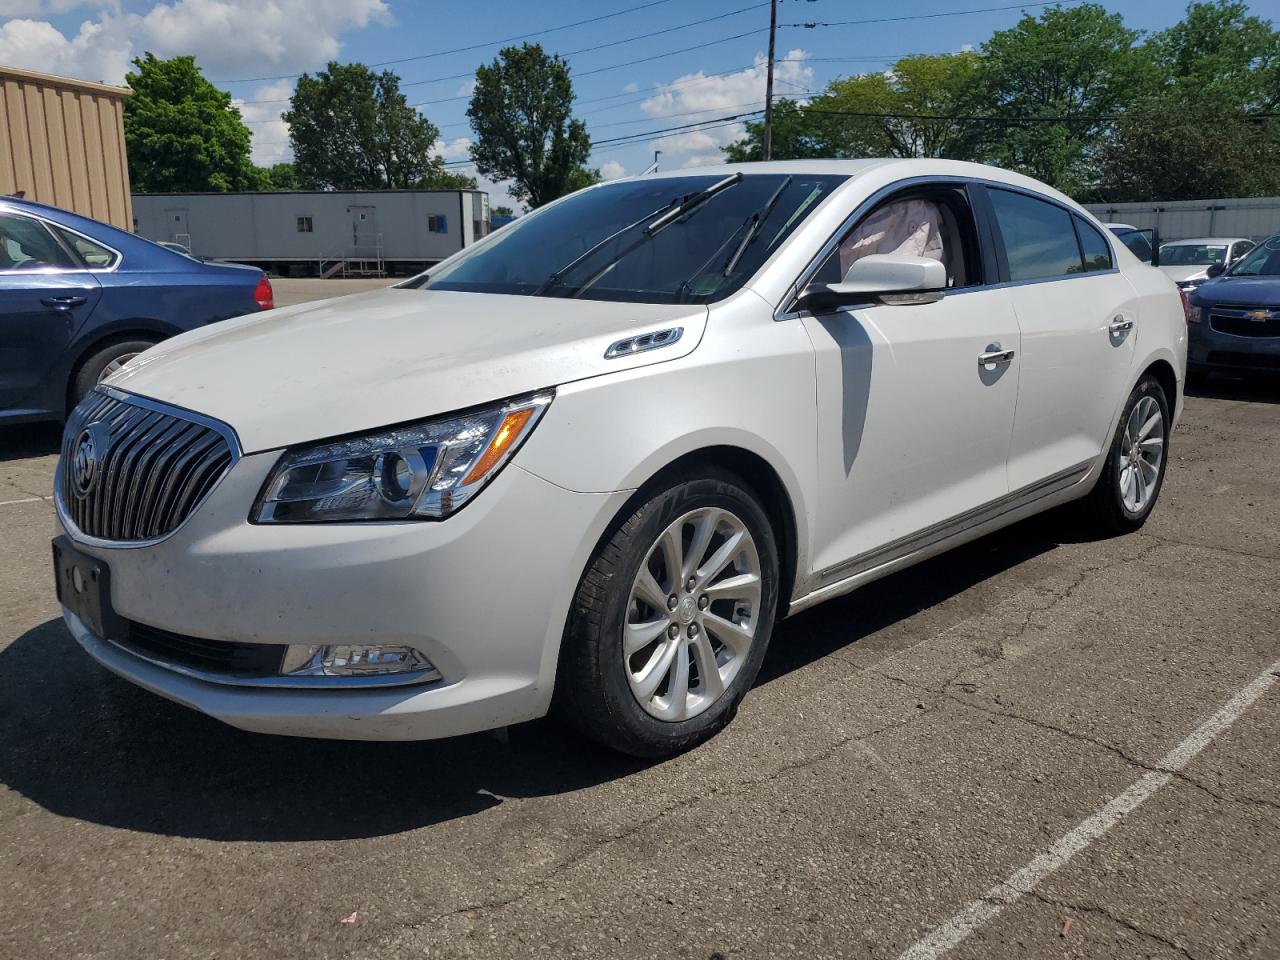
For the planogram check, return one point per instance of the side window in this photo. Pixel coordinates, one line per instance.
(25, 244)
(1038, 237)
(1097, 255)
(305, 225)
(94, 255)
(937, 224)
(1240, 248)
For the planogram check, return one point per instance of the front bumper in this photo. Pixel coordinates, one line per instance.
(1209, 349)
(483, 595)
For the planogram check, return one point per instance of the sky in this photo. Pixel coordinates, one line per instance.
(627, 87)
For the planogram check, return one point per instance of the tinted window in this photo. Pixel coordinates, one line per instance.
(1260, 261)
(1097, 255)
(1038, 237)
(1139, 244)
(1191, 254)
(95, 255)
(25, 244)
(1240, 249)
(595, 245)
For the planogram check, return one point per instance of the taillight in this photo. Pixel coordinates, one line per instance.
(1189, 310)
(262, 294)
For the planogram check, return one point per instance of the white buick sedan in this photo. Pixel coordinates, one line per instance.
(586, 464)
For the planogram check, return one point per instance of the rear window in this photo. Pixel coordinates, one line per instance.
(1038, 236)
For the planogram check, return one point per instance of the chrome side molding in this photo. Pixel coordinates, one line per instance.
(643, 342)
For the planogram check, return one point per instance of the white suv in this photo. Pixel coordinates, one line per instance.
(588, 462)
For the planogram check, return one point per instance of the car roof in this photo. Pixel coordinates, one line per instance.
(1206, 241)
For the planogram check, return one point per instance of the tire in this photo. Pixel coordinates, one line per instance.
(1113, 506)
(601, 689)
(94, 367)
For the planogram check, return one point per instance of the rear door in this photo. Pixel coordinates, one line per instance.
(1078, 318)
(46, 296)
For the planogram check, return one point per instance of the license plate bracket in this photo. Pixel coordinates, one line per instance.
(84, 587)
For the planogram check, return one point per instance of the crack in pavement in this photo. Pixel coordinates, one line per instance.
(600, 843)
(1119, 921)
(1120, 752)
(1244, 554)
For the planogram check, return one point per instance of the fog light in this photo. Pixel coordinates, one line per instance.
(358, 660)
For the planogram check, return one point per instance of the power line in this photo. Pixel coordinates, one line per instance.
(474, 46)
(924, 16)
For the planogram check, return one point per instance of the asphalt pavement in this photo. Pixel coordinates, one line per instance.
(1040, 745)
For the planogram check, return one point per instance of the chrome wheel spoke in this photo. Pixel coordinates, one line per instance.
(639, 635)
(673, 556)
(720, 559)
(703, 529)
(1152, 443)
(709, 678)
(1152, 423)
(733, 635)
(646, 684)
(678, 686)
(649, 590)
(744, 586)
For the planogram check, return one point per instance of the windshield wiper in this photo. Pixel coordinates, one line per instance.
(684, 206)
(756, 220)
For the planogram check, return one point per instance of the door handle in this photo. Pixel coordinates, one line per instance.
(1120, 324)
(63, 303)
(995, 356)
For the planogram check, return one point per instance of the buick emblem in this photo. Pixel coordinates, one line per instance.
(86, 461)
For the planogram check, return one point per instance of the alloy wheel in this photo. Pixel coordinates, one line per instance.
(115, 365)
(693, 614)
(1141, 455)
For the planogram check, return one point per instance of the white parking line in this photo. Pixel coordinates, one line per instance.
(1018, 884)
(5, 503)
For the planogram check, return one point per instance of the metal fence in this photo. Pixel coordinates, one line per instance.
(1256, 217)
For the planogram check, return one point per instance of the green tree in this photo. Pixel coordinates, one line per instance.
(1220, 52)
(794, 136)
(1078, 63)
(182, 133)
(501, 211)
(525, 132)
(450, 180)
(352, 129)
(278, 176)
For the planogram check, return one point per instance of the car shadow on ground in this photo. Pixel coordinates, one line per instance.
(86, 745)
(29, 440)
(1259, 388)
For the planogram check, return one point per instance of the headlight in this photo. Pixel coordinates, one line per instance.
(419, 471)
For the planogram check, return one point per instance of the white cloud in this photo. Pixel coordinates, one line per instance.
(631, 87)
(229, 38)
(467, 89)
(270, 133)
(695, 96)
(703, 160)
(612, 170)
(456, 149)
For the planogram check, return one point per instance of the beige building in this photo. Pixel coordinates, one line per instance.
(62, 142)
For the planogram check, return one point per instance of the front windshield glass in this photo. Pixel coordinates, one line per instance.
(601, 243)
(1192, 255)
(1262, 261)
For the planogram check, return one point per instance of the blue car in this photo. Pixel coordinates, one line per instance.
(1233, 320)
(79, 299)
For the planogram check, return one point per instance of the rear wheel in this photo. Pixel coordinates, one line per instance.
(1133, 475)
(104, 362)
(672, 619)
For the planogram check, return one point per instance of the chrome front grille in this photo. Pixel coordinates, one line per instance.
(133, 469)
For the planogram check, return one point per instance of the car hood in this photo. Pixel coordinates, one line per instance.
(1247, 291)
(323, 369)
(1180, 274)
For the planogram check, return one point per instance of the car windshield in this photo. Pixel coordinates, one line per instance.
(1262, 260)
(623, 241)
(1192, 255)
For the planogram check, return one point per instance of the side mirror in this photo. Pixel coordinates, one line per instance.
(1215, 270)
(887, 277)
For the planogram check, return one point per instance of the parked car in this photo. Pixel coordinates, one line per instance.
(1233, 320)
(79, 299)
(1187, 262)
(586, 463)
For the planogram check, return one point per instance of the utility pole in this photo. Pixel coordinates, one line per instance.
(767, 139)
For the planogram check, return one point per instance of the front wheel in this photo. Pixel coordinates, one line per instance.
(1131, 479)
(671, 620)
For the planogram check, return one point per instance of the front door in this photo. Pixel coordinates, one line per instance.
(1079, 320)
(913, 425)
(44, 300)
